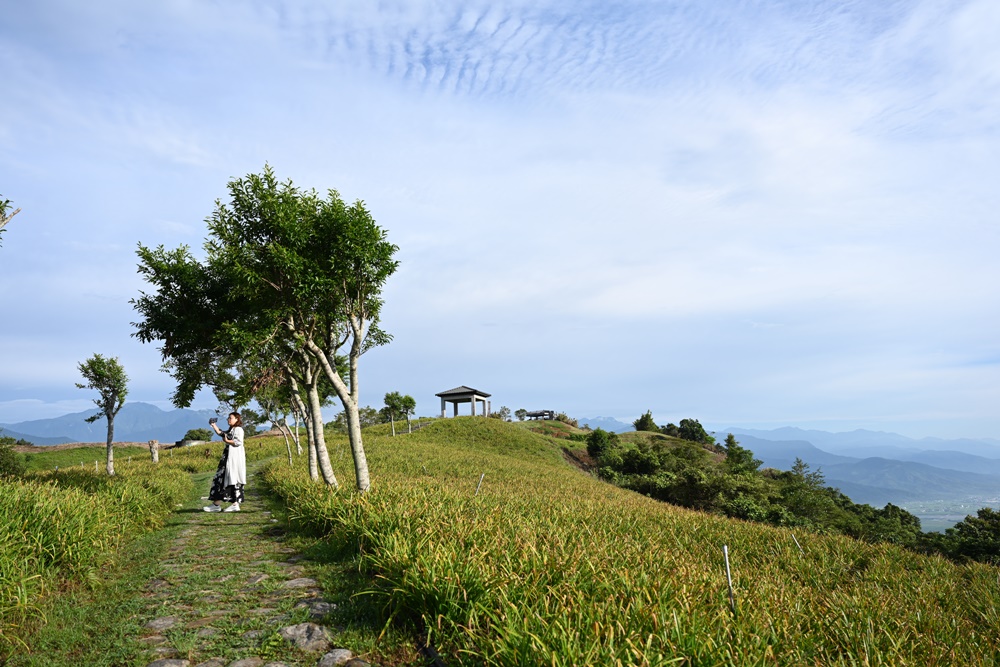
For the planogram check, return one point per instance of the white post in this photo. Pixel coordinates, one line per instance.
(729, 578)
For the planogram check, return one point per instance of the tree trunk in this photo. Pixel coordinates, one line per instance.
(409, 427)
(301, 409)
(154, 450)
(288, 444)
(348, 397)
(392, 420)
(111, 449)
(357, 449)
(322, 456)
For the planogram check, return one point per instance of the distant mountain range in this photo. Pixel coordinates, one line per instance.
(137, 422)
(609, 424)
(878, 468)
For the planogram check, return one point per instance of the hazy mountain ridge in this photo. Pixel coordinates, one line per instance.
(137, 422)
(885, 467)
(609, 424)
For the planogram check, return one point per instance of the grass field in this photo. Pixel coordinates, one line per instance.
(547, 565)
(480, 538)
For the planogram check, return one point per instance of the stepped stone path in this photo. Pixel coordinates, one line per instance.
(231, 594)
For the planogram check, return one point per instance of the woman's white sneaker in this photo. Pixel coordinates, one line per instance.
(235, 507)
(212, 508)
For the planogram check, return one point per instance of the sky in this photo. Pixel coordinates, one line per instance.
(751, 213)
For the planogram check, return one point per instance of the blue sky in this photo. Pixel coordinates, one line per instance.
(751, 213)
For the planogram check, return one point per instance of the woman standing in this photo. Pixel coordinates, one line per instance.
(230, 478)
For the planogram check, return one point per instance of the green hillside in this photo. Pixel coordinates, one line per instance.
(548, 565)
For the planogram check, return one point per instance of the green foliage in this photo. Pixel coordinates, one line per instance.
(199, 434)
(368, 416)
(975, 538)
(645, 422)
(503, 414)
(566, 419)
(691, 429)
(549, 566)
(65, 526)
(12, 463)
(107, 376)
(600, 441)
(521, 414)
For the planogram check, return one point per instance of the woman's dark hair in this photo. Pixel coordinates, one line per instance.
(239, 420)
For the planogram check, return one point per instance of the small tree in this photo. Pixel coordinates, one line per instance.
(393, 408)
(739, 460)
(107, 376)
(409, 405)
(645, 422)
(521, 414)
(503, 414)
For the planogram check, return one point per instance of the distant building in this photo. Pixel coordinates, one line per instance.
(541, 414)
(465, 394)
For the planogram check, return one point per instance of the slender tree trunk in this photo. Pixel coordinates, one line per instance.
(288, 444)
(310, 440)
(392, 420)
(349, 398)
(111, 449)
(357, 449)
(301, 409)
(322, 456)
(295, 436)
(409, 427)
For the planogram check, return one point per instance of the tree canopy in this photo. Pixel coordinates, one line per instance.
(290, 279)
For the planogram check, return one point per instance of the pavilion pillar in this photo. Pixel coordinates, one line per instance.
(442, 409)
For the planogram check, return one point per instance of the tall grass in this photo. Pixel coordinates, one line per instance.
(60, 528)
(547, 565)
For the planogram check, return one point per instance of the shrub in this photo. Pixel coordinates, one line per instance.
(566, 419)
(12, 464)
(198, 434)
(598, 442)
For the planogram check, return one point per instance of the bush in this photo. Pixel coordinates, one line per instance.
(198, 434)
(12, 464)
(598, 442)
(566, 419)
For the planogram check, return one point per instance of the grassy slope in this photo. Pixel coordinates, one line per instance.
(549, 565)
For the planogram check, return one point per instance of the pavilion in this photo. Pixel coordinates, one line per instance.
(465, 394)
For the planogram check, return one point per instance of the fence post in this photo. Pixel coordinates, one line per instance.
(154, 450)
(729, 579)
(801, 552)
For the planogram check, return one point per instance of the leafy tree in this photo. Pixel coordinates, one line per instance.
(645, 422)
(739, 460)
(691, 429)
(409, 405)
(4, 216)
(198, 434)
(107, 376)
(289, 273)
(976, 537)
(503, 414)
(521, 414)
(393, 408)
(671, 430)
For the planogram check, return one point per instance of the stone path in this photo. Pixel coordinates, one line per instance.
(231, 594)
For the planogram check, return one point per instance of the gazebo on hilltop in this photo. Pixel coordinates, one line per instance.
(465, 394)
